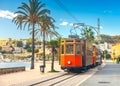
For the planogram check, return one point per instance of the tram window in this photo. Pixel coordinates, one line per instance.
(77, 49)
(69, 49)
(62, 50)
(83, 50)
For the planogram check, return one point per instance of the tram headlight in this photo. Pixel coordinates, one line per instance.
(69, 62)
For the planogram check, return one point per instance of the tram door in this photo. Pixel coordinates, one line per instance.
(83, 50)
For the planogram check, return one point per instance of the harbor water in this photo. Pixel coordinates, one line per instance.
(14, 64)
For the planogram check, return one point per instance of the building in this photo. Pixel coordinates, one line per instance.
(6, 45)
(4, 42)
(7, 48)
(116, 50)
(40, 53)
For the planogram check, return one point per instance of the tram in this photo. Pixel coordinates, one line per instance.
(77, 54)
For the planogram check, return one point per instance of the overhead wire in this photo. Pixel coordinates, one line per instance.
(65, 9)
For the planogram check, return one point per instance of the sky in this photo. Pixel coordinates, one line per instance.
(66, 13)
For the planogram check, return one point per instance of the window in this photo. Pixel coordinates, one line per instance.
(69, 49)
(62, 50)
(77, 49)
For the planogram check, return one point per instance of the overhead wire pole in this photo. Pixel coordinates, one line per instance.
(99, 29)
(99, 37)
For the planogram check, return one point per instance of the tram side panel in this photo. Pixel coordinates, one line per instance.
(89, 58)
(98, 58)
(87, 54)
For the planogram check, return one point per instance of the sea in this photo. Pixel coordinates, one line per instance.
(14, 64)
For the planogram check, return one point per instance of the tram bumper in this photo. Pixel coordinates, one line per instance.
(71, 69)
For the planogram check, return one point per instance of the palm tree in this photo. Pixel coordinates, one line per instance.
(47, 29)
(30, 15)
(88, 34)
(59, 38)
(53, 44)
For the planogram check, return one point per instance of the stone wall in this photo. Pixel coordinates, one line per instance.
(11, 70)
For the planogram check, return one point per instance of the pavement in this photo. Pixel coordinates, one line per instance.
(34, 74)
(108, 76)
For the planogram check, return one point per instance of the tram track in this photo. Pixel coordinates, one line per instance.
(68, 79)
(63, 80)
(55, 80)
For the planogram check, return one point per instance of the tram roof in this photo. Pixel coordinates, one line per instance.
(73, 37)
(71, 40)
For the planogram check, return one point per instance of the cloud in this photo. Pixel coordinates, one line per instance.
(7, 14)
(71, 24)
(101, 27)
(64, 23)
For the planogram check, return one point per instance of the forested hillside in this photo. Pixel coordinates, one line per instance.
(110, 39)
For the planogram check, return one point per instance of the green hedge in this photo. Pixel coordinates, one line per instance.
(118, 60)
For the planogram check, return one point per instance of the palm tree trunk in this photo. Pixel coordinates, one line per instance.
(53, 50)
(59, 52)
(32, 59)
(43, 50)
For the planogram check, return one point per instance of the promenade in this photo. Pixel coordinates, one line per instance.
(19, 77)
(108, 76)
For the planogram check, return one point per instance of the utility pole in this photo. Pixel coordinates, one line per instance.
(98, 29)
(99, 38)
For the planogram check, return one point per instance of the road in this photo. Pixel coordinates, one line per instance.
(108, 76)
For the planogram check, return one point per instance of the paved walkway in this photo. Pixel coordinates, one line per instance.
(108, 76)
(18, 77)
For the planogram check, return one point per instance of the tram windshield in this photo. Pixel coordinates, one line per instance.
(69, 49)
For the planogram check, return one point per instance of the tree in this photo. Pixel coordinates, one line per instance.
(88, 34)
(53, 44)
(47, 29)
(29, 50)
(0, 48)
(19, 44)
(30, 15)
(58, 39)
(108, 56)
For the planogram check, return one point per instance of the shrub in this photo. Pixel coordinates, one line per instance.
(108, 56)
(118, 60)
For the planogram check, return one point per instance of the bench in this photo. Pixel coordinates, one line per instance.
(11, 70)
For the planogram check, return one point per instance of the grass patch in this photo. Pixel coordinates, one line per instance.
(53, 71)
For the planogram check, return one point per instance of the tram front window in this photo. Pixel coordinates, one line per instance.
(77, 49)
(69, 49)
(62, 52)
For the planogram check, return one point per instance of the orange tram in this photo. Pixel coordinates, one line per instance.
(78, 54)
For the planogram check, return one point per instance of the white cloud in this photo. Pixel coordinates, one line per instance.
(7, 14)
(64, 23)
(101, 27)
(71, 24)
